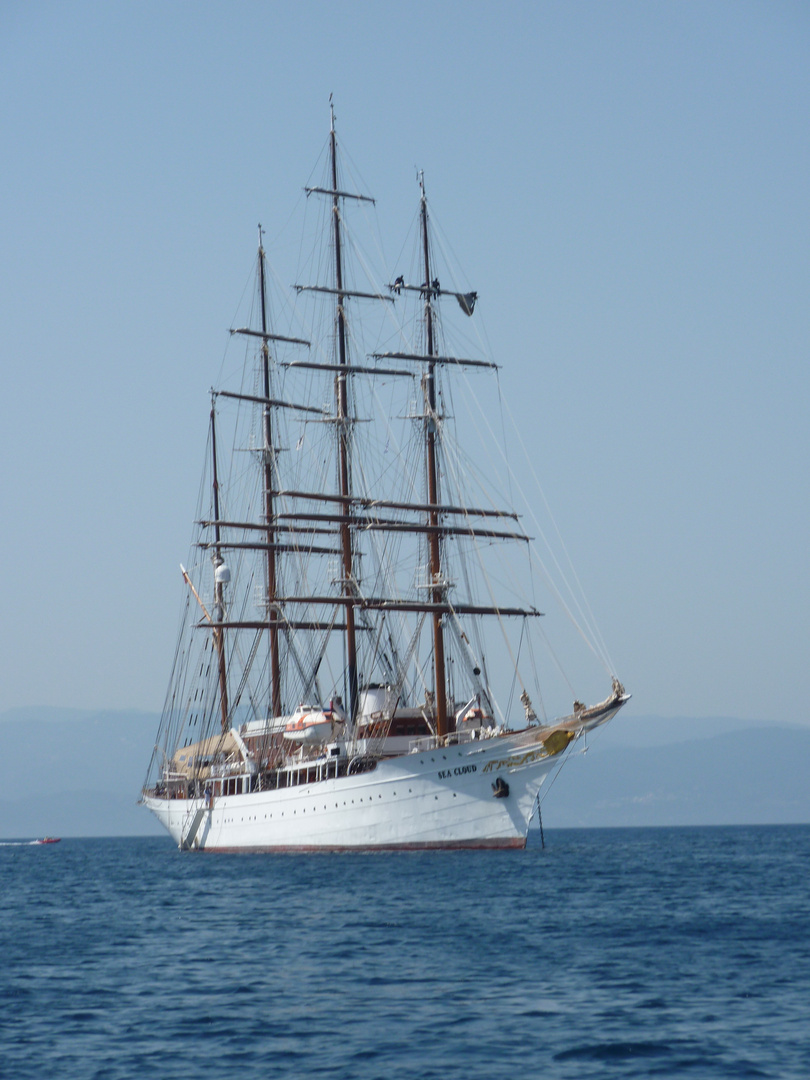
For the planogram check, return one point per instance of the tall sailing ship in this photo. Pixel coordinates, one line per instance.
(355, 585)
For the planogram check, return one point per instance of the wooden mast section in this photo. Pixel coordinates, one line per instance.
(344, 436)
(434, 543)
(221, 577)
(269, 514)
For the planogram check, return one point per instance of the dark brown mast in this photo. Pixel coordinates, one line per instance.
(344, 436)
(269, 487)
(220, 579)
(434, 543)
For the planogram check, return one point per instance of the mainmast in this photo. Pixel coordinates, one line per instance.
(344, 436)
(272, 590)
(434, 544)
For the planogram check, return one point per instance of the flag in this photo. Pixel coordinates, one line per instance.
(466, 301)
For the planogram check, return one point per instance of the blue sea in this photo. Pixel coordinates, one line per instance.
(608, 953)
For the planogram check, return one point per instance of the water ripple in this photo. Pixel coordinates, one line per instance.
(614, 954)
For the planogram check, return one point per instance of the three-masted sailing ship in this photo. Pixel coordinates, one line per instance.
(333, 681)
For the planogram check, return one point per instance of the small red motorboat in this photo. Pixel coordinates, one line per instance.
(50, 840)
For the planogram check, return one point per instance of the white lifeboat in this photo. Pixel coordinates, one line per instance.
(472, 715)
(309, 726)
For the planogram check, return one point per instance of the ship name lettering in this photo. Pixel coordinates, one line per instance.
(460, 770)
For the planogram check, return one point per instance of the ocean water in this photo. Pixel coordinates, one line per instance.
(610, 953)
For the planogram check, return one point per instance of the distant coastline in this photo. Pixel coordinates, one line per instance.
(71, 772)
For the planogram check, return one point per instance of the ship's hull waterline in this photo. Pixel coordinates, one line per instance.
(444, 797)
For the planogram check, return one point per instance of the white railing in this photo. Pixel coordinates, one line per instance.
(433, 742)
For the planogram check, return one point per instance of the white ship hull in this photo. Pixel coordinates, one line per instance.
(439, 798)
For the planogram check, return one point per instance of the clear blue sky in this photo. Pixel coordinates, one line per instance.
(625, 184)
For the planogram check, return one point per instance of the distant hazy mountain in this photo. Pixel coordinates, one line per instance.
(654, 771)
(71, 773)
